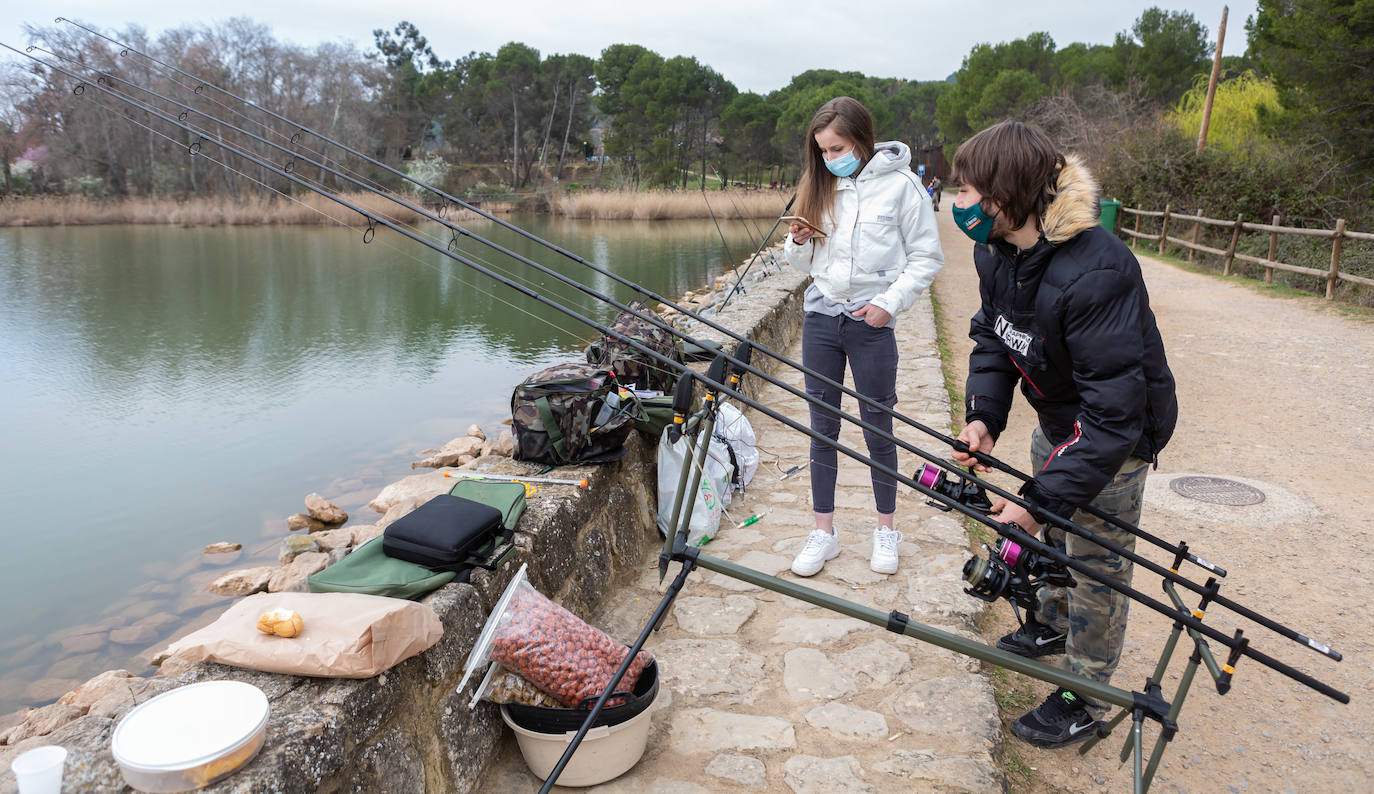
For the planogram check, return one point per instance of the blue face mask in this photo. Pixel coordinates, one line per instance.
(973, 222)
(844, 165)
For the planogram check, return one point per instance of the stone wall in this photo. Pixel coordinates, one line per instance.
(409, 730)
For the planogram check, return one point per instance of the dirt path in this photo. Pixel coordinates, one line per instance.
(1278, 393)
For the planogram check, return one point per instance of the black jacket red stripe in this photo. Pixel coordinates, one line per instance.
(1070, 320)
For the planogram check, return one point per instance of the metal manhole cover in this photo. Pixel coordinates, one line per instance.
(1216, 490)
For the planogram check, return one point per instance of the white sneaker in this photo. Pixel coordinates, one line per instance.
(884, 559)
(820, 546)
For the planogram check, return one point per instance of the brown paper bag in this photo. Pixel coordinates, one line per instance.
(345, 635)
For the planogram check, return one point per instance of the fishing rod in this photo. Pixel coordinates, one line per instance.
(1181, 551)
(744, 219)
(729, 257)
(739, 279)
(956, 444)
(374, 218)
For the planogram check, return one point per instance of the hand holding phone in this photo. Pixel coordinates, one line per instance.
(801, 229)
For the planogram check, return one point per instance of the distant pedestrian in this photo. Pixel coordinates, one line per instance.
(879, 250)
(935, 186)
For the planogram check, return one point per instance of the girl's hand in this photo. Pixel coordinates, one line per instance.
(801, 235)
(874, 315)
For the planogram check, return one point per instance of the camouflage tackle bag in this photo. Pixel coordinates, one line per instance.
(567, 414)
(633, 366)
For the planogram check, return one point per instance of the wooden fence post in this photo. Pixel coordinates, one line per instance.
(1136, 236)
(1164, 230)
(1273, 251)
(1231, 249)
(1197, 227)
(1334, 274)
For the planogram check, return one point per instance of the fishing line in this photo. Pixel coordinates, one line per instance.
(728, 256)
(406, 253)
(1239, 647)
(105, 78)
(199, 90)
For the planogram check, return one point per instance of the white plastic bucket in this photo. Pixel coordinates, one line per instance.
(605, 753)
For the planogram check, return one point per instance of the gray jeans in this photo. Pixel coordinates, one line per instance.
(1092, 614)
(827, 344)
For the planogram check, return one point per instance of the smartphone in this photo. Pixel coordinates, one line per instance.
(790, 219)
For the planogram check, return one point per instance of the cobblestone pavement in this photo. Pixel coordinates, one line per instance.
(768, 692)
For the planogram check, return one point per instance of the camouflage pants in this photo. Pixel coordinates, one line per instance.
(1092, 614)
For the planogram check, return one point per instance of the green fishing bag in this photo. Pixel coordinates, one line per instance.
(369, 571)
(652, 414)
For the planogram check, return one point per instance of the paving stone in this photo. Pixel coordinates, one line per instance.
(763, 562)
(636, 784)
(709, 667)
(843, 720)
(707, 730)
(925, 771)
(942, 528)
(735, 538)
(957, 705)
(710, 616)
(806, 774)
(743, 769)
(935, 587)
(809, 674)
(879, 661)
(815, 631)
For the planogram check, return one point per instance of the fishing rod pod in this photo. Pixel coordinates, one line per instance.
(1239, 646)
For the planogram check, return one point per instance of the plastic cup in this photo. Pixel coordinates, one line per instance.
(39, 771)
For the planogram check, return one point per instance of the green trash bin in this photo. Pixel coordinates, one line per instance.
(1108, 216)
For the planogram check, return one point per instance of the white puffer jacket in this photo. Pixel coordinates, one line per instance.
(881, 244)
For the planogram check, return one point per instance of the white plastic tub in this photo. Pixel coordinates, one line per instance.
(605, 753)
(191, 737)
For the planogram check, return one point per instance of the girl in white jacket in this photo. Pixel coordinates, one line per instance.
(879, 250)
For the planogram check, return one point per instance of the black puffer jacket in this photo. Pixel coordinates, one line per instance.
(1070, 319)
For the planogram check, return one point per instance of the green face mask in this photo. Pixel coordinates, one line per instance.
(974, 223)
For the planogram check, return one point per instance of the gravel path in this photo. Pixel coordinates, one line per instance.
(1276, 393)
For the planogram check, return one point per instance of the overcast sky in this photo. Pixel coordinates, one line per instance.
(757, 46)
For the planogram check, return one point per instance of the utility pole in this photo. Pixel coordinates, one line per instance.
(1212, 84)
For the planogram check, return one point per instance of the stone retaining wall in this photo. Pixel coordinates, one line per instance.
(408, 730)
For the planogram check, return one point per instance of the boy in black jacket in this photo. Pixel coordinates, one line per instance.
(1065, 313)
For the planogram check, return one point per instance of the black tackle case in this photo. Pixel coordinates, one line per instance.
(446, 533)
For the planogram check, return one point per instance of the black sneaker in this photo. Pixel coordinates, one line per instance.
(1033, 640)
(1061, 720)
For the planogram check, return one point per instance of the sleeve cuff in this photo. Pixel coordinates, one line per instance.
(1042, 502)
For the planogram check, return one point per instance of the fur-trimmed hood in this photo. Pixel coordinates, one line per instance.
(1074, 207)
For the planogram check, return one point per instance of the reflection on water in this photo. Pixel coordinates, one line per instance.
(162, 389)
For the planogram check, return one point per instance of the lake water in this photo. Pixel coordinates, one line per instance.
(165, 388)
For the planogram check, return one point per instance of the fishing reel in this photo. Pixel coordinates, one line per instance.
(1013, 573)
(960, 489)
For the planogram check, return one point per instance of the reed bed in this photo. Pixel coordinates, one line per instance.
(654, 205)
(254, 211)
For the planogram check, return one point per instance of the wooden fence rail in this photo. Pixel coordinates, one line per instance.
(1332, 274)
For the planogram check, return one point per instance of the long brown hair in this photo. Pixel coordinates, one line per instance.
(816, 190)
